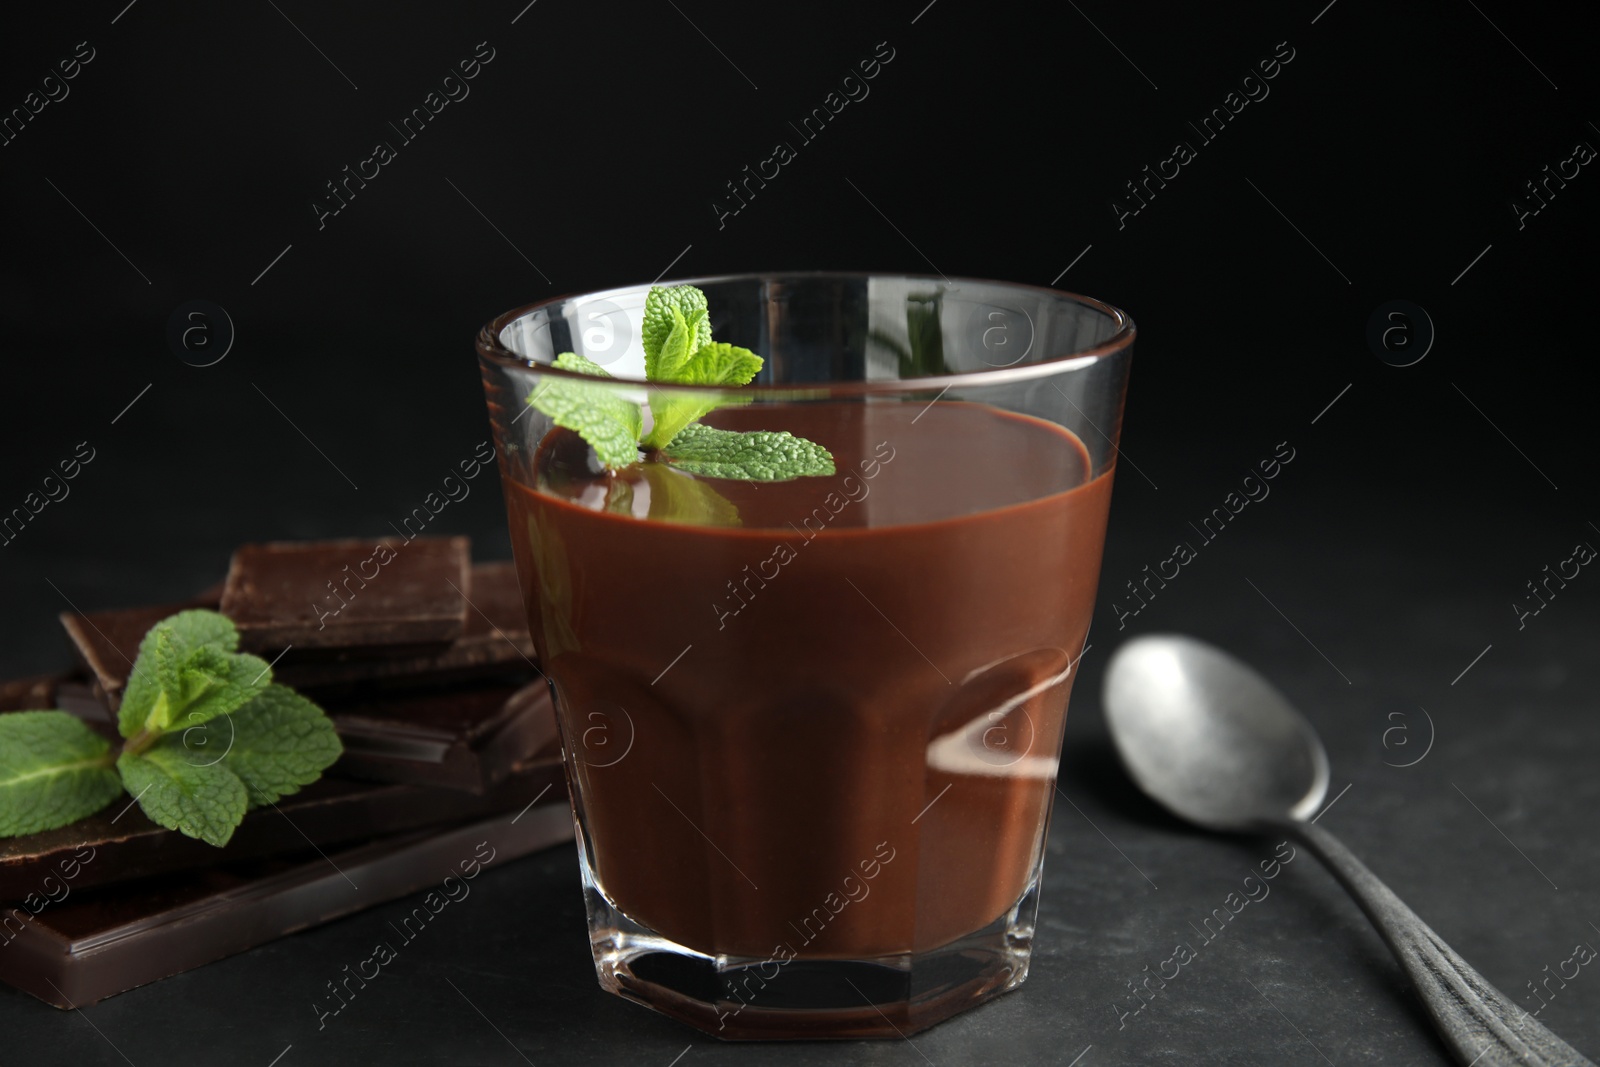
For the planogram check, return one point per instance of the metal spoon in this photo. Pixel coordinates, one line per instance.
(1214, 743)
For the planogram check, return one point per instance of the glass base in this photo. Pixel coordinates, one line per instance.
(748, 998)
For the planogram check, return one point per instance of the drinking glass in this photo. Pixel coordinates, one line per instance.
(811, 727)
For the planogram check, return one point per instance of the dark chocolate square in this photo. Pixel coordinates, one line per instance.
(348, 594)
(494, 640)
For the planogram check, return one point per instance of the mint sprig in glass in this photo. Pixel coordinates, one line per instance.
(678, 348)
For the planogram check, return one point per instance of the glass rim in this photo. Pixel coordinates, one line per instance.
(491, 348)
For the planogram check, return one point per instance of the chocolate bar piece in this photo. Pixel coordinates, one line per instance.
(92, 945)
(64, 692)
(30, 694)
(348, 594)
(84, 699)
(461, 738)
(495, 637)
(124, 844)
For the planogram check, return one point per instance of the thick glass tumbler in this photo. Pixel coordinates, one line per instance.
(811, 727)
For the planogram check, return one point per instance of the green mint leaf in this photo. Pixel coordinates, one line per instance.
(183, 792)
(53, 771)
(717, 363)
(756, 455)
(677, 497)
(611, 424)
(659, 319)
(277, 743)
(185, 633)
(215, 683)
(166, 662)
(208, 683)
(672, 412)
(581, 365)
(713, 364)
(676, 350)
(676, 334)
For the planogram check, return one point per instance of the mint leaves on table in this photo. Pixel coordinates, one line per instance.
(197, 799)
(678, 348)
(188, 670)
(53, 770)
(208, 735)
(282, 743)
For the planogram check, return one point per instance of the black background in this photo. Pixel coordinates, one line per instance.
(190, 150)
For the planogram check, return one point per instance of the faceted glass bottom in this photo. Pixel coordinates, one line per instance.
(749, 998)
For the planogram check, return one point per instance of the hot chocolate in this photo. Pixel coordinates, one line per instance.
(823, 713)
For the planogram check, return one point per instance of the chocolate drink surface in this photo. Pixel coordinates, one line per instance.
(824, 712)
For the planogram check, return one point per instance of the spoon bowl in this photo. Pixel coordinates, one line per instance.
(1210, 739)
(1214, 743)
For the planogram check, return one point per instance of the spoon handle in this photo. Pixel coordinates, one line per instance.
(1479, 1023)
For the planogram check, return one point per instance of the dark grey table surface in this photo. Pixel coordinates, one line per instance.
(1365, 605)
